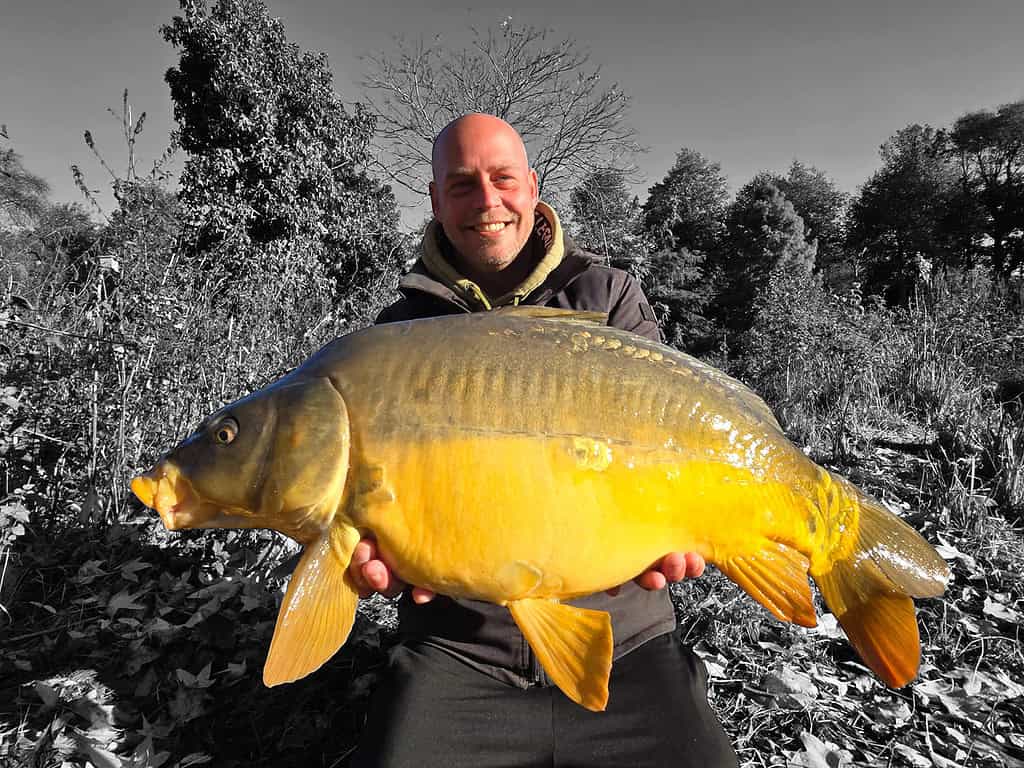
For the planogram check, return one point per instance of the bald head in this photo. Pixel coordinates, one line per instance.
(472, 129)
(484, 192)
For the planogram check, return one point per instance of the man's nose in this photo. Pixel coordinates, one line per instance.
(488, 196)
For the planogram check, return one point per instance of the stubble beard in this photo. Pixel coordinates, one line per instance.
(497, 256)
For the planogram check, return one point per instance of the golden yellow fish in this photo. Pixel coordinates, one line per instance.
(529, 456)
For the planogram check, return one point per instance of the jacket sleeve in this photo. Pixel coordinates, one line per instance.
(632, 312)
(393, 313)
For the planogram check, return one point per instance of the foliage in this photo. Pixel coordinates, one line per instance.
(683, 220)
(687, 208)
(116, 341)
(810, 352)
(544, 88)
(678, 286)
(902, 399)
(604, 216)
(943, 199)
(909, 216)
(765, 236)
(989, 147)
(839, 369)
(22, 194)
(275, 178)
(816, 200)
(124, 646)
(157, 663)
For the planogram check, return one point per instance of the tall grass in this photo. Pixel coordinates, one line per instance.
(847, 376)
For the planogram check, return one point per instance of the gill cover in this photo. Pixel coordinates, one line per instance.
(275, 459)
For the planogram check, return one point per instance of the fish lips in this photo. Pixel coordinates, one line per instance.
(170, 493)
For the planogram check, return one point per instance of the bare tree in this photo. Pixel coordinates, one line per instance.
(546, 90)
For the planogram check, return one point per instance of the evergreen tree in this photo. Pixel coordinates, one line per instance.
(765, 236)
(686, 209)
(683, 221)
(276, 168)
(679, 287)
(822, 206)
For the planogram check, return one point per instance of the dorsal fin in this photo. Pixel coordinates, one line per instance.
(555, 313)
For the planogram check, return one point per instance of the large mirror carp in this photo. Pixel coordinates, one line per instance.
(530, 456)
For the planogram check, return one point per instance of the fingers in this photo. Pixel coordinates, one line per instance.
(381, 579)
(652, 579)
(694, 565)
(361, 555)
(371, 574)
(675, 566)
(421, 595)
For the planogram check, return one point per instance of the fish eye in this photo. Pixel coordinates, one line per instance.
(226, 431)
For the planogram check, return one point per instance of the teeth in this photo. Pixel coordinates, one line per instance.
(497, 226)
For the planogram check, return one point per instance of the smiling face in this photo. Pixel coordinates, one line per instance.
(484, 192)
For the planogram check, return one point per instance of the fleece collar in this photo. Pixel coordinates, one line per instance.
(547, 230)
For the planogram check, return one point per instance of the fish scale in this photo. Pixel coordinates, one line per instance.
(530, 456)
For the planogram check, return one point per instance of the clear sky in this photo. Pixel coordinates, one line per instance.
(751, 85)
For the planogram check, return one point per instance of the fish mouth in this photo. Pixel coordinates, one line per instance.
(165, 489)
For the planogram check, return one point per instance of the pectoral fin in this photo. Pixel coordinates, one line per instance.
(574, 645)
(318, 609)
(775, 576)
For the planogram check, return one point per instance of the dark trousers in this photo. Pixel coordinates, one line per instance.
(433, 711)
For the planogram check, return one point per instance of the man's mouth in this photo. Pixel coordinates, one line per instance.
(490, 226)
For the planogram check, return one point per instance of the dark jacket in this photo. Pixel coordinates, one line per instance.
(482, 634)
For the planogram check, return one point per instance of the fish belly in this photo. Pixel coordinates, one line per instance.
(503, 517)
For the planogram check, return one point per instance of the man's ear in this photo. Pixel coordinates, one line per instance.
(433, 198)
(534, 185)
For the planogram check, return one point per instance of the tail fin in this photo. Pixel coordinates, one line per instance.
(869, 589)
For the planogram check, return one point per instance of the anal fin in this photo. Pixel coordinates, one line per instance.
(574, 645)
(318, 609)
(775, 576)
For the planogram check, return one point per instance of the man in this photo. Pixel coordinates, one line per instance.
(464, 688)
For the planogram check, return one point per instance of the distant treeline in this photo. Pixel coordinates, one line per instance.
(944, 202)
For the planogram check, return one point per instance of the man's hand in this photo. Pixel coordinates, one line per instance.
(674, 566)
(372, 574)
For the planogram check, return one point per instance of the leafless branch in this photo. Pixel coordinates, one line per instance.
(546, 89)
